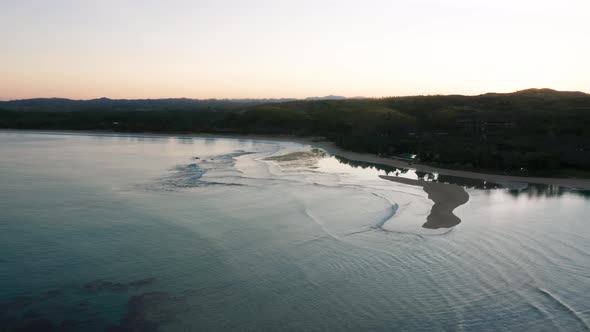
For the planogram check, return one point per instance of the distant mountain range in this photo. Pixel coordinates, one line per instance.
(62, 104)
(330, 97)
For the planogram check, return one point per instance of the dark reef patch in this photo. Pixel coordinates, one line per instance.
(145, 312)
(149, 312)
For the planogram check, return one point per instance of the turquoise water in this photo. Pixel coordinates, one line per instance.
(133, 233)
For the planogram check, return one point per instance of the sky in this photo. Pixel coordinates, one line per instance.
(273, 48)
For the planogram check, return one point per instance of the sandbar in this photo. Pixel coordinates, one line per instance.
(446, 198)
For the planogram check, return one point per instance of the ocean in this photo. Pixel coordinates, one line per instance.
(107, 232)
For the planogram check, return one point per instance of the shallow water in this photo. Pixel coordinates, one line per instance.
(122, 233)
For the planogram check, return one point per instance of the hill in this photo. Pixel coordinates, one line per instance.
(543, 94)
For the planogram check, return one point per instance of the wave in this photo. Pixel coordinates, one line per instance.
(564, 306)
(392, 211)
(341, 239)
(193, 175)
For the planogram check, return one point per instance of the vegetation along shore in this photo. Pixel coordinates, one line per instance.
(529, 133)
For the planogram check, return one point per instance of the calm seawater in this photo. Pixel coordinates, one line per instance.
(134, 233)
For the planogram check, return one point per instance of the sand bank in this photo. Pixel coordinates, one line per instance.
(446, 198)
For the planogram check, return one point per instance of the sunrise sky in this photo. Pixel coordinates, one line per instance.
(236, 49)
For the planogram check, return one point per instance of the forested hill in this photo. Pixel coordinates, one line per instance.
(534, 131)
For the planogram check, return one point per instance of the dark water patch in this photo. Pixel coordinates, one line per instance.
(83, 304)
(150, 312)
(142, 282)
(51, 294)
(7, 322)
(26, 323)
(33, 321)
(31, 315)
(17, 303)
(71, 325)
(99, 286)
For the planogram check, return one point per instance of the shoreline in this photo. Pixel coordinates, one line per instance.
(335, 150)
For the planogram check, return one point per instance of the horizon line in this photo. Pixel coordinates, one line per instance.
(302, 98)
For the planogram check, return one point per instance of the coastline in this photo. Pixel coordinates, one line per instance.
(335, 150)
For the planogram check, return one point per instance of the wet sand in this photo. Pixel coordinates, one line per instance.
(446, 198)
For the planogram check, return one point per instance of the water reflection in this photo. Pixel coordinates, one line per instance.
(185, 140)
(543, 190)
(389, 170)
(121, 138)
(515, 189)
